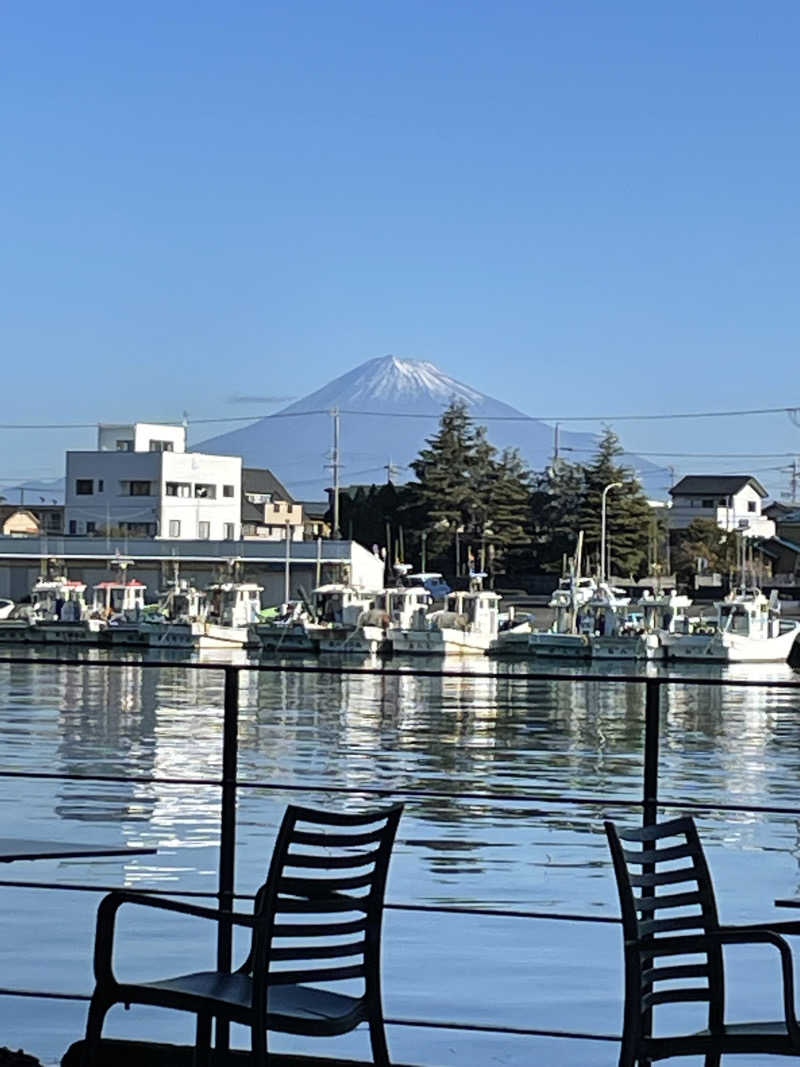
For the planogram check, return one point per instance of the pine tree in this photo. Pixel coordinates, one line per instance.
(627, 510)
(510, 513)
(556, 502)
(444, 493)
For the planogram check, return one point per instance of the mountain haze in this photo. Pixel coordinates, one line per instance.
(388, 406)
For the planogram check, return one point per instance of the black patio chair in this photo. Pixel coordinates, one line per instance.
(316, 921)
(673, 949)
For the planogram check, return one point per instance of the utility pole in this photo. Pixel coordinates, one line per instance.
(555, 446)
(334, 466)
(390, 469)
(793, 479)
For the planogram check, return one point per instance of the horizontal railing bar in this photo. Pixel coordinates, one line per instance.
(418, 794)
(488, 1028)
(400, 672)
(504, 913)
(293, 787)
(439, 909)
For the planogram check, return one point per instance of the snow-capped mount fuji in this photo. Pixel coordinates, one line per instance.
(388, 406)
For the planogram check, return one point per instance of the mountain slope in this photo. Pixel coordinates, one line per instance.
(388, 406)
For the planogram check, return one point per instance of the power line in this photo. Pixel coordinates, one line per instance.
(790, 411)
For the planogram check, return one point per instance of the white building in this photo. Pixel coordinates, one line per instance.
(141, 482)
(733, 501)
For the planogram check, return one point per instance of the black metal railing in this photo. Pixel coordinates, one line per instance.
(229, 784)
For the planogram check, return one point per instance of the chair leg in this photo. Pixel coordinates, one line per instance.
(98, 1007)
(202, 1043)
(713, 1059)
(258, 1044)
(377, 1037)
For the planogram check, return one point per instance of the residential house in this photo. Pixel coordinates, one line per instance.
(141, 482)
(31, 520)
(733, 501)
(315, 518)
(268, 511)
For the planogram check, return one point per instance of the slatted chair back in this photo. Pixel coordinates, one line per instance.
(323, 899)
(667, 902)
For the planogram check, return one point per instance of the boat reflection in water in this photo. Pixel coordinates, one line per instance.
(505, 778)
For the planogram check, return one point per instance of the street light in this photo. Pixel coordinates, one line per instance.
(611, 485)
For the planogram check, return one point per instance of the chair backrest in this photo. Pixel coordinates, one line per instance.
(667, 903)
(323, 898)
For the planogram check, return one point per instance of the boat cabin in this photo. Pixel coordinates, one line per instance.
(478, 610)
(340, 604)
(749, 613)
(666, 611)
(119, 598)
(184, 603)
(406, 607)
(58, 600)
(234, 603)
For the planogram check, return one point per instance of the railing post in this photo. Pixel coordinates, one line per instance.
(651, 737)
(227, 843)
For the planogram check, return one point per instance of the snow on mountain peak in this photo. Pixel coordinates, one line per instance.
(389, 381)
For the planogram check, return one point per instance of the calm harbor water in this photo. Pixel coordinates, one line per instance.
(504, 734)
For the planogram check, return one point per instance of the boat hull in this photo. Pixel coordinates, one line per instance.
(435, 642)
(633, 647)
(721, 647)
(559, 646)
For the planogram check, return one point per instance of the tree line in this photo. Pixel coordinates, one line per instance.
(471, 507)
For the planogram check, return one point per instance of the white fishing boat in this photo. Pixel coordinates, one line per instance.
(749, 629)
(467, 625)
(233, 608)
(177, 621)
(59, 615)
(291, 629)
(6, 607)
(338, 611)
(563, 639)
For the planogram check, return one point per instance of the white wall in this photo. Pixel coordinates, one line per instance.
(141, 433)
(728, 516)
(110, 503)
(193, 469)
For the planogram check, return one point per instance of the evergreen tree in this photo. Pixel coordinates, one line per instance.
(510, 514)
(443, 494)
(556, 502)
(627, 511)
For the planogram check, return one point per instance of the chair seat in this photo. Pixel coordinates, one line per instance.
(290, 1005)
(766, 1037)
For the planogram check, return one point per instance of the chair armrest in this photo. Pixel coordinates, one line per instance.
(755, 934)
(112, 902)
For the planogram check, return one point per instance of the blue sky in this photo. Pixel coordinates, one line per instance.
(576, 208)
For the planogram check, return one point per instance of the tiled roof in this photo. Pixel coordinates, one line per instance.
(695, 484)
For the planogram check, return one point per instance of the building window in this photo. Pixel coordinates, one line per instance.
(227, 490)
(204, 530)
(205, 491)
(258, 498)
(178, 489)
(137, 529)
(90, 527)
(708, 503)
(751, 505)
(84, 487)
(73, 526)
(230, 531)
(124, 446)
(174, 527)
(100, 485)
(162, 446)
(136, 488)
